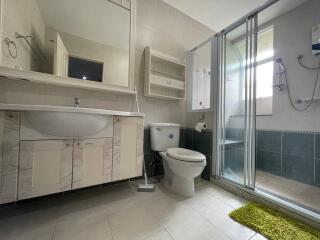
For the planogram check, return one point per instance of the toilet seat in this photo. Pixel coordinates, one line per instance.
(185, 155)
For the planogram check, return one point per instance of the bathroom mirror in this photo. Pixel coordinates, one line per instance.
(91, 42)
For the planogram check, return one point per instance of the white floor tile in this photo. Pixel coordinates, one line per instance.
(34, 225)
(119, 212)
(227, 225)
(82, 225)
(258, 237)
(189, 228)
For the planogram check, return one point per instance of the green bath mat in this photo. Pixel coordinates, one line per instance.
(272, 224)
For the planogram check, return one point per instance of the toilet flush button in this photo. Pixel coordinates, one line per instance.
(171, 136)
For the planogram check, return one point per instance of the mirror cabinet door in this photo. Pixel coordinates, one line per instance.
(90, 42)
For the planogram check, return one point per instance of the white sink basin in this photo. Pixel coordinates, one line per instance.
(66, 124)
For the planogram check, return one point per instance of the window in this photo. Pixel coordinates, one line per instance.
(265, 53)
(265, 64)
(199, 78)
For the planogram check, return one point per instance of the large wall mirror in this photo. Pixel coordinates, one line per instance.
(79, 40)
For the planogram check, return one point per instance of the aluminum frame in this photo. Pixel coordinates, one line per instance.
(250, 93)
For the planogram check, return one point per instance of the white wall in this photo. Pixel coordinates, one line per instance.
(292, 36)
(159, 26)
(23, 17)
(115, 60)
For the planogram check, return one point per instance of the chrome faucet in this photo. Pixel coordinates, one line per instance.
(76, 102)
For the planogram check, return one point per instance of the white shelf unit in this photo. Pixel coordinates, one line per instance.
(164, 76)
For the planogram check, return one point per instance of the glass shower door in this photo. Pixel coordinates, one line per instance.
(236, 122)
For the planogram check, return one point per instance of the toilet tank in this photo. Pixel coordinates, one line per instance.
(164, 136)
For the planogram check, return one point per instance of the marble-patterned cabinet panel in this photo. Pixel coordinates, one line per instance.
(127, 147)
(9, 155)
(92, 162)
(45, 167)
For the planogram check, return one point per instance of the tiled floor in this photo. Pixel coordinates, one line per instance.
(118, 212)
(304, 194)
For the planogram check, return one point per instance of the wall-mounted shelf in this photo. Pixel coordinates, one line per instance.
(49, 79)
(164, 76)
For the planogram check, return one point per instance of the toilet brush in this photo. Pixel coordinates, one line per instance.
(145, 187)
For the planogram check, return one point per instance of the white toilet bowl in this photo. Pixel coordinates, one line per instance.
(181, 166)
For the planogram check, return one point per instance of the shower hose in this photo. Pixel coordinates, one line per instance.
(314, 89)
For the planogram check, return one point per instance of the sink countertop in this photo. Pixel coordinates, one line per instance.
(48, 108)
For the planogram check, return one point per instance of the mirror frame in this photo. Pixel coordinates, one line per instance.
(50, 79)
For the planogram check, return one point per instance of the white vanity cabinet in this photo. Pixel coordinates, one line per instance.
(9, 155)
(34, 163)
(45, 167)
(127, 147)
(92, 162)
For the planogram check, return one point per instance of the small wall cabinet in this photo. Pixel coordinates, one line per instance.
(31, 165)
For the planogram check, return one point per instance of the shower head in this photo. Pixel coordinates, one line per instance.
(280, 62)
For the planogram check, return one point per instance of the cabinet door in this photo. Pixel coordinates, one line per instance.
(92, 162)
(45, 167)
(127, 148)
(9, 155)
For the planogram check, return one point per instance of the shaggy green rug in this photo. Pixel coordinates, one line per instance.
(272, 224)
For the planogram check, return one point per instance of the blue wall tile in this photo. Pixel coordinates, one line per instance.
(317, 171)
(158, 163)
(297, 148)
(298, 157)
(189, 138)
(298, 168)
(206, 174)
(150, 167)
(147, 142)
(269, 162)
(269, 141)
(234, 133)
(183, 138)
(202, 142)
(298, 144)
(317, 145)
(234, 158)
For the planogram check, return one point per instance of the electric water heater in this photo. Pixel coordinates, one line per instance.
(316, 40)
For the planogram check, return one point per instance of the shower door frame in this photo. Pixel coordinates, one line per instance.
(248, 188)
(251, 23)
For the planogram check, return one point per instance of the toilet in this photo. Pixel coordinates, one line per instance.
(180, 165)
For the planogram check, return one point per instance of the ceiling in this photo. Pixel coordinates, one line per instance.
(218, 14)
(97, 20)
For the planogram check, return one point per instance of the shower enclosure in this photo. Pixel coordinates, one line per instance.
(265, 143)
(236, 122)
